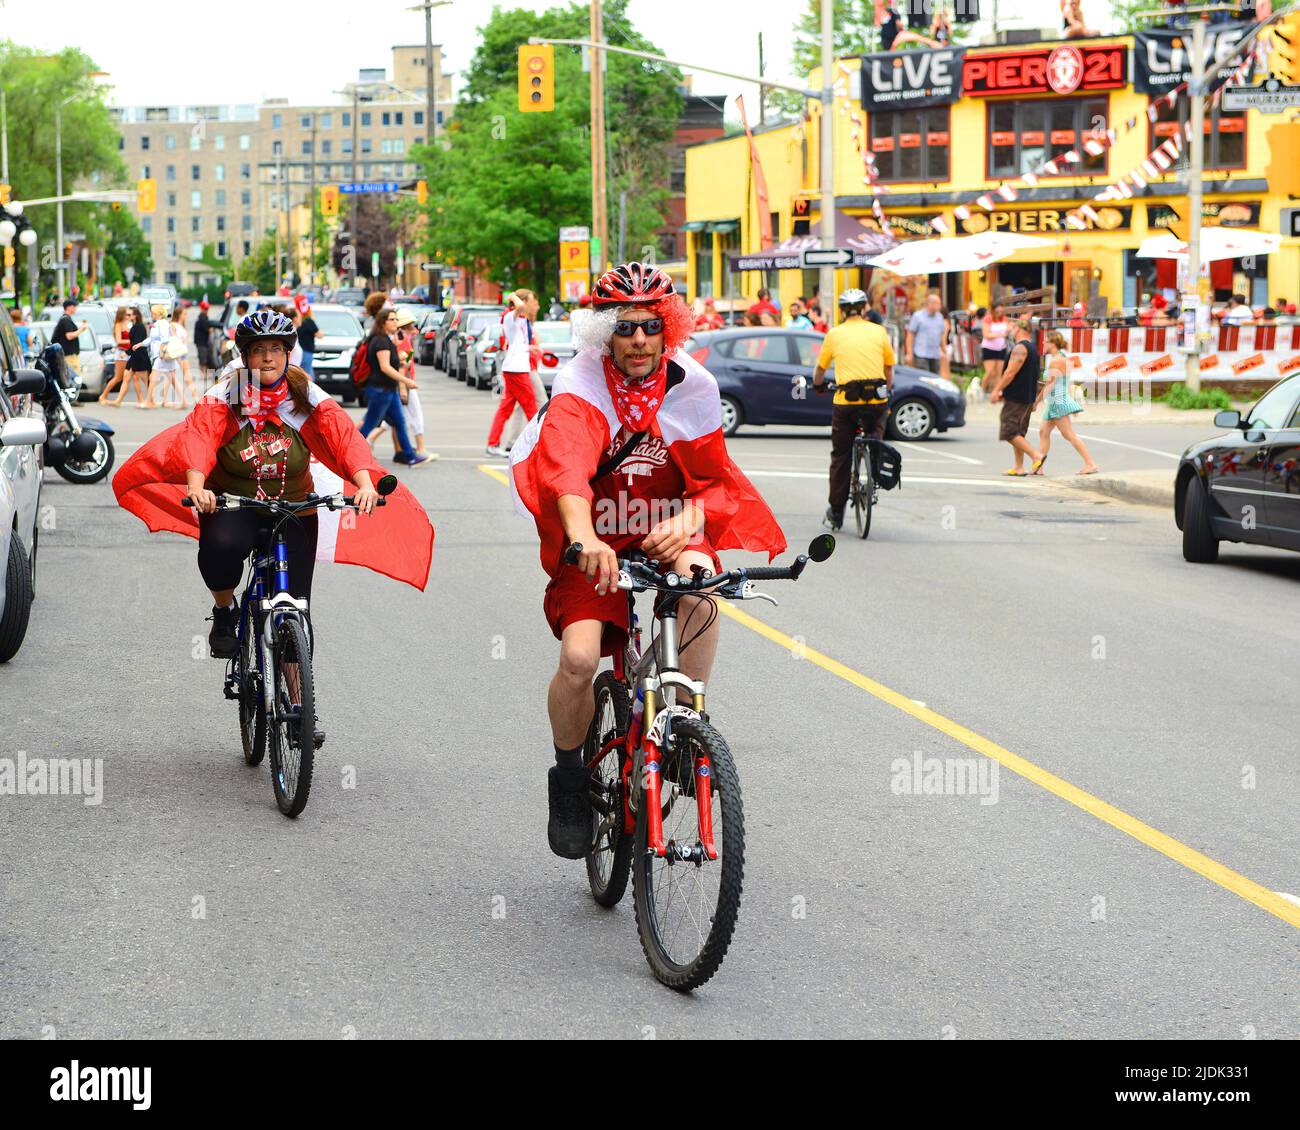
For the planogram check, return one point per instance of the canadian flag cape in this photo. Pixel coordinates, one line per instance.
(562, 446)
(396, 540)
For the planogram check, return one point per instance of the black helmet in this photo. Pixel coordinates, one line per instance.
(260, 325)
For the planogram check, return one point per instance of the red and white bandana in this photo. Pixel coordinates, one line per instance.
(261, 401)
(636, 405)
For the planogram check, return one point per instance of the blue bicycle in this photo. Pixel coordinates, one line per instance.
(270, 674)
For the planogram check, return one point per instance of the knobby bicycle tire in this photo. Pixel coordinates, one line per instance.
(729, 828)
(863, 488)
(608, 889)
(291, 640)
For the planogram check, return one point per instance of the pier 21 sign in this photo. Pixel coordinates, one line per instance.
(1052, 70)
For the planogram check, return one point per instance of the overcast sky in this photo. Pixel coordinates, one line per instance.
(248, 51)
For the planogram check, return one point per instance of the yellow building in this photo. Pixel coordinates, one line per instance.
(1009, 110)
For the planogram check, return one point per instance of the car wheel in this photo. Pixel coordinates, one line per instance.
(911, 419)
(733, 415)
(18, 600)
(1200, 546)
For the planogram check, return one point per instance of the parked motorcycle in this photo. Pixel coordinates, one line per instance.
(80, 449)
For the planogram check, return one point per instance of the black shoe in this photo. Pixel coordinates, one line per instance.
(222, 640)
(569, 828)
(835, 521)
(399, 457)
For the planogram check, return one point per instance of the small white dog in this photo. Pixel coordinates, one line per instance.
(975, 393)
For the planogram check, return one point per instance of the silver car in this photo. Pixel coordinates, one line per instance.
(21, 438)
(90, 378)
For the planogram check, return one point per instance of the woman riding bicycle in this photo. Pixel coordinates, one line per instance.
(268, 432)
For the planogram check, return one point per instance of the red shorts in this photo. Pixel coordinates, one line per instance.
(570, 597)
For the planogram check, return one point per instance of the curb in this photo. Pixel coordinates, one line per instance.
(1142, 491)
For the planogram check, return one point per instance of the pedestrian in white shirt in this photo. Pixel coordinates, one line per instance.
(1239, 314)
(516, 368)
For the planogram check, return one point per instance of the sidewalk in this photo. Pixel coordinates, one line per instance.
(1147, 488)
(1095, 415)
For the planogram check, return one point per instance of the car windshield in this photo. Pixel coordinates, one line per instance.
(477, 323)
(99, 321)
(553, 333)
(337, 323)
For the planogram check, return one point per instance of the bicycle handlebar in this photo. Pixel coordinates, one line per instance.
(644, 574)
(329, 501)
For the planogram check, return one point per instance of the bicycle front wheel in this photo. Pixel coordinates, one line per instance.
(864, 489)
(611, 850)
(292, 728)
(687, 904)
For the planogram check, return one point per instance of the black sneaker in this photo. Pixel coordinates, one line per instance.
(222, 640)
(569, 828)
(835, 521)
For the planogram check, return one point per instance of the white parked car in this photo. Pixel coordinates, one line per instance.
(92, 375)
(22, 435)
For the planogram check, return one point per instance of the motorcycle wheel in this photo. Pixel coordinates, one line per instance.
(93, 469)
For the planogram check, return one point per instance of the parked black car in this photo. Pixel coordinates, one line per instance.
(1245, 485)
(756, 368)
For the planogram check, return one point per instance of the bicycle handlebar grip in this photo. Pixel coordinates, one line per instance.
(770, 573)
(572, 554)
(187, 501)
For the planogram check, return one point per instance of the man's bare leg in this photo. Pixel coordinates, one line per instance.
(569, 700)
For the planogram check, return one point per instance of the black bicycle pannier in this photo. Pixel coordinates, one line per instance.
(887, 465)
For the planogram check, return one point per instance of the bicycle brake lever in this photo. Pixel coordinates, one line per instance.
(625, 581)
(749, 592)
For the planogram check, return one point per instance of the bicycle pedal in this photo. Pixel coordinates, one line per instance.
(318, 738)
(230, 692)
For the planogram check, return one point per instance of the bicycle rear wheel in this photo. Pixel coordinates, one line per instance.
(611, 852)
(686, 908)
(293, 726)
(252, 707)
(864, 490)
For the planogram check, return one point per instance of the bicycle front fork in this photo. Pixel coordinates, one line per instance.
(652, 780)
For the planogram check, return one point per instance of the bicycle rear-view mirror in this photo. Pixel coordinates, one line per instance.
(821, 547)
(386, 485)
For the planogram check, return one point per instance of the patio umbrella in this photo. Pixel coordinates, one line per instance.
(1216, 243)
(946, 256)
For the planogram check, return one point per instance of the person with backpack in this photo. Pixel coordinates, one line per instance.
(376, 365)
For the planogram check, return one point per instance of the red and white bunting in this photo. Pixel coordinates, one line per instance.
(985, 202)
(1007, 192)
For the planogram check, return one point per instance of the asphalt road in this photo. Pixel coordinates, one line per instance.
(1120, 882)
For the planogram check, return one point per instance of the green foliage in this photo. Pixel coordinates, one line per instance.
(125, 242)
(1180, 396)
(506, 182)
(259, 267)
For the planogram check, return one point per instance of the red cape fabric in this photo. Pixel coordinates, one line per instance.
(396, 540)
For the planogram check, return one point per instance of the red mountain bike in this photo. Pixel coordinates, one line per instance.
(665, 795)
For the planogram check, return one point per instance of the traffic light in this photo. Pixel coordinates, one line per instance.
(146, 195)
(329, 200)
(1284, 59)
(115, 206)
(422, 192)
(4, 194)
(536, 77)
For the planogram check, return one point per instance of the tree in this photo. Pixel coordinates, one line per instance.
(375, 231)
(259, 268)
(506, 182)
(126, 243)
(34, 85)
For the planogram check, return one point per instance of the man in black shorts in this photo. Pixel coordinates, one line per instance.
(1017, 388)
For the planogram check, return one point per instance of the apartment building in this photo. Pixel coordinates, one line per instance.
(227, 174)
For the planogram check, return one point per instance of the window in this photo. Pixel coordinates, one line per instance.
(761, 347)
(1023, 135)
(245, 222)
(386, 118)
(171, 200)
(345, 146)
(1225, 135)
(386, 145)
(144, 172)
(221, 249)
(245, 198)
(326, 147)
(277, 120)
(399, 145)
(1273, 407)
(219, 172)
(365, 117)
(196, 173)
(704, 264)
(347, 119)
(728, 245)
(366, 170)
(245, 141)
(248, 247)
(171, 224)
(397, 117)
(440, 115)
(306, 148)
(221, 198)
(146, 224)
(196, 249)
(144, 138)
(169, 141)
(911, 145)
(121, 141)
(418, 116)
(365, 142)
(219, 141)
(196, 199)
(327, 121)
(221, 223)
(196, 140)
(277, 148)
(245, 172)
(169, 173)
(171, 249)
(304, 120)
(196, 224)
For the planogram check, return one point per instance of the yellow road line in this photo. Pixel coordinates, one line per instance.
(1179, 852)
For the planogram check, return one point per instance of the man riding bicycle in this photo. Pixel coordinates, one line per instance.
(627, 454)
(268, 432)
(864, 377)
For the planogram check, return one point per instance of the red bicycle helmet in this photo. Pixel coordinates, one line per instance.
(631, 284)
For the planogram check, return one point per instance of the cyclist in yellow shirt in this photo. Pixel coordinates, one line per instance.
(864, 375)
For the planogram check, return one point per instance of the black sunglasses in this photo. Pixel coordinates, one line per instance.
(626, 328)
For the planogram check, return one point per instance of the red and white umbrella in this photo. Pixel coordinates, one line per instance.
(947, 256)
(1216, 244)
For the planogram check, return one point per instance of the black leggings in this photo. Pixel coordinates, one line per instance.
(227, 537)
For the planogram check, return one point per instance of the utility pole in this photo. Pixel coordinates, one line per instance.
(762, 89)
(4, 140)
(622, 223)
(311, 205)
(352, 210)
(599, 212)
(826, 280)
(60, 273)
(1195, 172)
(279, 211)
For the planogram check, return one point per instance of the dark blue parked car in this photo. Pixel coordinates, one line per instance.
(756, 369)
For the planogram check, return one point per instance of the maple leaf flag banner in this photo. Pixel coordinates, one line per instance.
(396, 540)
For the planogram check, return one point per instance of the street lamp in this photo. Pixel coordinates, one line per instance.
(430, 79)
